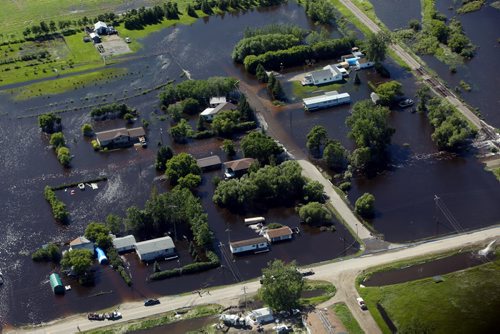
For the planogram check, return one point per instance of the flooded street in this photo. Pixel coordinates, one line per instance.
(404, 193)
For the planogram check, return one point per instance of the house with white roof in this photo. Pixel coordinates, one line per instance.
(155, 248)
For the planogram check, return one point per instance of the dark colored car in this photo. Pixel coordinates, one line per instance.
(151, 302)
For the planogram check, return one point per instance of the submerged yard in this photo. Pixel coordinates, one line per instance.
(466, 301)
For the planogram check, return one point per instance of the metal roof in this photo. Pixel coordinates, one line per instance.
(279, 232)
(217, 100)
(213, 160)
(248, 242)
(126, 241)
(320, 75)
(154, 245)
(324, 98)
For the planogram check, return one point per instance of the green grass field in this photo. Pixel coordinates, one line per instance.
(466, 301)
(350, 323)
(307, 91)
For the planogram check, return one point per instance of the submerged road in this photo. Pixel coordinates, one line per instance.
(341, 273)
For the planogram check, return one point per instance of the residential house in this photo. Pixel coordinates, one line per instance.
(82, 243)
(278, 234)
(255, 244)
(209, 113)
(327, 100)
(120, 137)
(337, 71)
(215, 101)
(155, 248)
(124, 244)
(321, 77)
(236, 168)
(100, 28)
(211, 162)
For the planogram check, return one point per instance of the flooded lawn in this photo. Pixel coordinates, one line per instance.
(404, 193)
(396, 13)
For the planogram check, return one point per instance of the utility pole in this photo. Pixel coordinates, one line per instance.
(245, 294)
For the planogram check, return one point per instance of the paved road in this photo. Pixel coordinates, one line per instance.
(342, 274)
(434, 84)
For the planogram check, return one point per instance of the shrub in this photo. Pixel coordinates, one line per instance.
(50, 252)
(314, 213)
(87, 130)
(58, 207)
(365, 205)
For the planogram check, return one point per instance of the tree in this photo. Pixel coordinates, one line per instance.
(99, 234)
(79, 261)
(261, 74)
(365, 205)
(162, 156)
(275, 88)
(27, 32)
(320, 11)
(181, 131)
(376, 46)
(314, 192)
(357, 81)
(415, 25)
(87, 130)
(50, 252)
(388, 92)
(64, 156)
(225, 122)
(246, 112)
(335, 155)
(49, 122)
(228, 147)
(52, 26)
(190, 106)
(315, 213)
(361, 158)
(261, 147)
(282, 285)
(114, 223)
(57, 139)
(423, 95)
(181, 165)
(189, 181)
(316, 138)
(191, 11)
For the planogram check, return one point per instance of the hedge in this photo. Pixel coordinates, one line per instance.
(59, 210)
(191, 268)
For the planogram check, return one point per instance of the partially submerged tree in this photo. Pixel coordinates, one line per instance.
(315, 213)
(376, 46)
(365, 205)
(282, 285)
(162, 156)
(180, 166)
(316, 138)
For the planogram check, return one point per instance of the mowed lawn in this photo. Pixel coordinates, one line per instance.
(467, 301)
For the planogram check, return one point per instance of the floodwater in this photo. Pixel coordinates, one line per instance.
(396, 13)
(441, 266)
(404, 193)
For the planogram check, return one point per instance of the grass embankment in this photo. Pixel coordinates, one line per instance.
(465, 302)
(308, 91)
(328, 291)
(60, 85)
(158, 320)
(349, 322)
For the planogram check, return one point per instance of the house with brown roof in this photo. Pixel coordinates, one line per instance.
(120, 137)
(81, 243)
(249, 245)
(211, 162)
(278, 234)
(236, 168)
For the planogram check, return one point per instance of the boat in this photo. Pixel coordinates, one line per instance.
(81, 186)
(1, 278)
(406, 103)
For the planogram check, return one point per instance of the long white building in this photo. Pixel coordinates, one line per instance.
(329, 99)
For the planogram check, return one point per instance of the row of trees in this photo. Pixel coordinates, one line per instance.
(259, 44)
(58, 207)
(59, 144)
(334, 154)
(113, 110)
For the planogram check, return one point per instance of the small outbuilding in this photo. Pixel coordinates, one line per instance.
(260, 316)
(236, 168)
(95, 37)
(208, 163)
(56, 284)
(124, 244)
(255, 244)
(279, 234)
(155, 248)
(216, 100)
(82, 243)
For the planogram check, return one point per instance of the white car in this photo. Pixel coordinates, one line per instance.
(361, 303)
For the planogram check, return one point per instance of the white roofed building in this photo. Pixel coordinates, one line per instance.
(155, 248)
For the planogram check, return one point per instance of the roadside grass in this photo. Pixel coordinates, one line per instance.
(60, 85)
(467, 297)
(307, 91)
(158, 320)
(347, 319)
(310, 285)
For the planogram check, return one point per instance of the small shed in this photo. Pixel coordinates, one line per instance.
(216, 100)
(279, 234)
(101, 256)
(255, 244)
(211, 162)
(125, 243)
(56, 284)
(261, 316)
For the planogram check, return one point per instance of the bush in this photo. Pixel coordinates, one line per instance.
(191, 268)
(314, 213)
(49, 123)
(124, 274)
(87, 130)
(59, 210)
(95, 145)
(50, 252)
(345, 186)
(365, 205)
(274, 226)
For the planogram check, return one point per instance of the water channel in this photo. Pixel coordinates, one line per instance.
(404, 193)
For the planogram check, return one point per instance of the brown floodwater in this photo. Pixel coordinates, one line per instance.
(404, 192)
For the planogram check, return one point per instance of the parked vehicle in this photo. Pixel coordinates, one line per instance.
(361, 303)
(96, 316)
(406, 103)
(115, 315)
(151, 302)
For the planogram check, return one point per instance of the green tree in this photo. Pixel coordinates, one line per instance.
(79, 261)
(376, 46)
(234, 193)
(320, 11)
(225, 122)
(335, 155)
(114, 223)
(316, 138)
(282, 285)
(261, 147)
(87, 130)
(190, 106)
(162, 156)
(181, 132)
(228, 147)
(361, 158)
(365, 205)
(64, 156)
(181, 165)
(275, 88)
(189, 181)
(57, 139)
(261, 74)
(388, 92)
(99, 234)
(246, 112)
(423, 95)
(357, 80)
(314, 192)
(314, 213)
(50, 252)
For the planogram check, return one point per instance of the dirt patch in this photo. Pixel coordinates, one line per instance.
(321, 321)
(113, 45)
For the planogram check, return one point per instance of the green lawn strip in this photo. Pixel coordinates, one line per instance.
(328, 292)
(61, 85)
(158, 320)
(467, 297)
(349, 322)
(308, 91)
